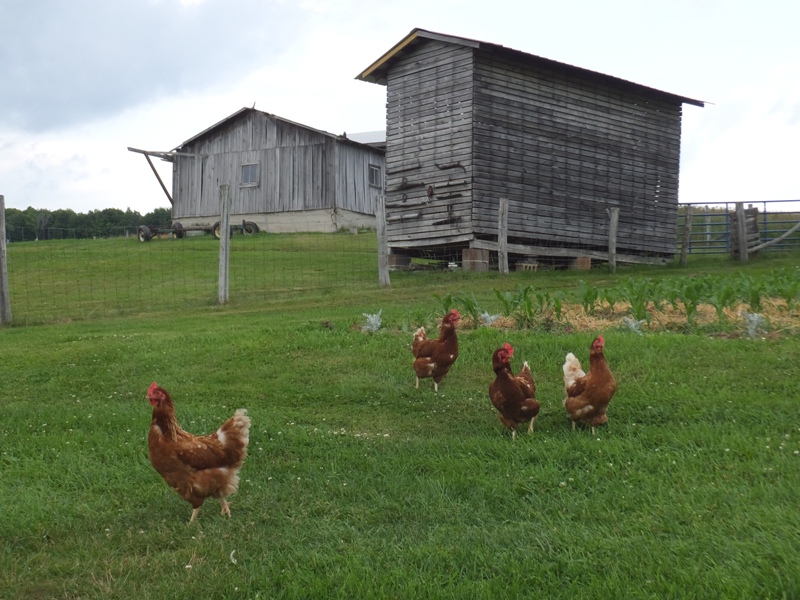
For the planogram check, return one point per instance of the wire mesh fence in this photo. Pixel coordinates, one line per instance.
(63, 274)
(70, 276)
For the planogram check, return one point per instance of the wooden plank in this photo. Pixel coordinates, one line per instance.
(502, 236)
(224, 243)
(383, 247)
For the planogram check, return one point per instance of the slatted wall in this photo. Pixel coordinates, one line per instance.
(300, 169)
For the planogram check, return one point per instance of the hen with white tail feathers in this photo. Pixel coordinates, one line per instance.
(587, 394)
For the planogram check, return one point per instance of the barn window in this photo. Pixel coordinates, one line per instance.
(250, 175)
(375, 176)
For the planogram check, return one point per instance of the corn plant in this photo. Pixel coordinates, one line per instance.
(787, 287)
(470, 306)
(611, 296)
(671, 292)
(639, 293)
(558, 303)
(509, 301)
(447, 302)
(692, 293)
(752, 290)
(722, 294)
(588, 296)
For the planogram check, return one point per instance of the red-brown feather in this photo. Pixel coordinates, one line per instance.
(197, 467)
(588, 397)
(433, 358)
(512, 395)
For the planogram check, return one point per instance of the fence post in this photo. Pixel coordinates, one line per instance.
(687, 234)
(613, 225)
(224, 242)
(502, 236)
(383, 244)
(741, 231)
(5, 299)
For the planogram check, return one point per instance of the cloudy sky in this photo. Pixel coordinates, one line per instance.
(80, 81)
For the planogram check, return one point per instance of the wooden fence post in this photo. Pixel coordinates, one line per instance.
(741, 231)
(613, 225)
(687, 234)
(502, 236)
(383, 244)
(224, 242)
(5, 298)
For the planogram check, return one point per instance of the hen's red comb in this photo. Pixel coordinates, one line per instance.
(509, 349)
(152, 388)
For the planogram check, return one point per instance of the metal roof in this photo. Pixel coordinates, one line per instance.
(378, 70)
(243, 111)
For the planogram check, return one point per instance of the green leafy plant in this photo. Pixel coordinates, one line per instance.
(638, 293)
(588, 296)
(447, 302)
(787, 287)
(722, 294)
(509, 301)
(752, 290)
(471, 306)
(611, 297)
(692, 293)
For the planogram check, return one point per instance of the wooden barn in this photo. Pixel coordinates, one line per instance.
(282, 176)
(470, 122)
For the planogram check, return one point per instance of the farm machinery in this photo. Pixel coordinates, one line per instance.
(147, 232)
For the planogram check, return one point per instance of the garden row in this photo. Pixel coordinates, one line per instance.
(635, 301)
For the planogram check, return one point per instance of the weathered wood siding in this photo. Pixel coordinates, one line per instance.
(563, 148)
(300, 169)
(429, 123)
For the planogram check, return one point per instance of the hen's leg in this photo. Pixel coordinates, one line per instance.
(226, 508)
(513, 435)
(435, 387)
(417, 384)
(573, 426)
(530, 427)
(194, 514)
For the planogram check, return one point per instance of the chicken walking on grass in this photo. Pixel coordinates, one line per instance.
(587, 394)
(433, 358)
(197, 467)
(513, 395)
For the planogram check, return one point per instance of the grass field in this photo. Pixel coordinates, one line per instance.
(359, 486)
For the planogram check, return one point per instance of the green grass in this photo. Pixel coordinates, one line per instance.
(359, 486)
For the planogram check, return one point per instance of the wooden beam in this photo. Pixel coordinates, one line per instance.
(383, 248)
(687, 234)
(163, 187)
(502, 236)
(569, 253)
(613, 225)
(741, 231)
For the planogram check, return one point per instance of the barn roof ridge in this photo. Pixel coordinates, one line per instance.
(376, 72)
(208, 130)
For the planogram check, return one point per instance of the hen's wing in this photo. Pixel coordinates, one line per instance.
(525, 379)
(226, 447)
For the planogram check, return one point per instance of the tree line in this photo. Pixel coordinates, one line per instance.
(41, 224)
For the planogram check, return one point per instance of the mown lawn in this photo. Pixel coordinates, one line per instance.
(359, 486)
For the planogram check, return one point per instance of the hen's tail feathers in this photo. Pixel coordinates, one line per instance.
(420, 336)
(235, 432)
(572, 370)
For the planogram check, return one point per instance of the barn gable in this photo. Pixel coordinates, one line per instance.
(469, 123)
(282, 175)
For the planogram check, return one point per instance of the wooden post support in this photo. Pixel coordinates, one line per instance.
(741, 231)
(687, 234)
(613, 225)
(5, 298)
(383, 244)
(502, 236)
(224, 242)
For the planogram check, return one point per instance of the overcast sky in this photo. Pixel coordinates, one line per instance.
(80, 81)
